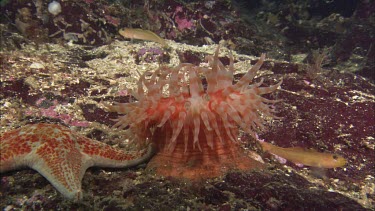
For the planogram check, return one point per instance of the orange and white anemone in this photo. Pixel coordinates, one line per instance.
(195, 129)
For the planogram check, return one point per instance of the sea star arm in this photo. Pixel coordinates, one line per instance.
(103, 155)
(64, 170)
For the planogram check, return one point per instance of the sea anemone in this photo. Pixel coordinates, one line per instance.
(195, 128)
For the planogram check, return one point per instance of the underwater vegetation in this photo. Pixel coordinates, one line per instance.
(59, 66)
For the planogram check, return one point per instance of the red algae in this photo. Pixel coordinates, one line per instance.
(194, 129)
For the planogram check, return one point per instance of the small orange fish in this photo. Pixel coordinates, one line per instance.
(142, 35)
(306, 157)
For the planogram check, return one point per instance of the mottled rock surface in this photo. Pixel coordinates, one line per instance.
(328, 107)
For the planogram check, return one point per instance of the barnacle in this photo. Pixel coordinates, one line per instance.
(194, 128)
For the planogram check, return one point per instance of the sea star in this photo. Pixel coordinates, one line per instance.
(61, 155)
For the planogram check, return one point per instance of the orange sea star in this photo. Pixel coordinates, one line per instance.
(61, 155)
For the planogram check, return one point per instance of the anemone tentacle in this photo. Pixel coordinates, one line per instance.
(175, 98)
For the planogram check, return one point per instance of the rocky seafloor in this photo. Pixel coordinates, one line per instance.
(328, 107)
